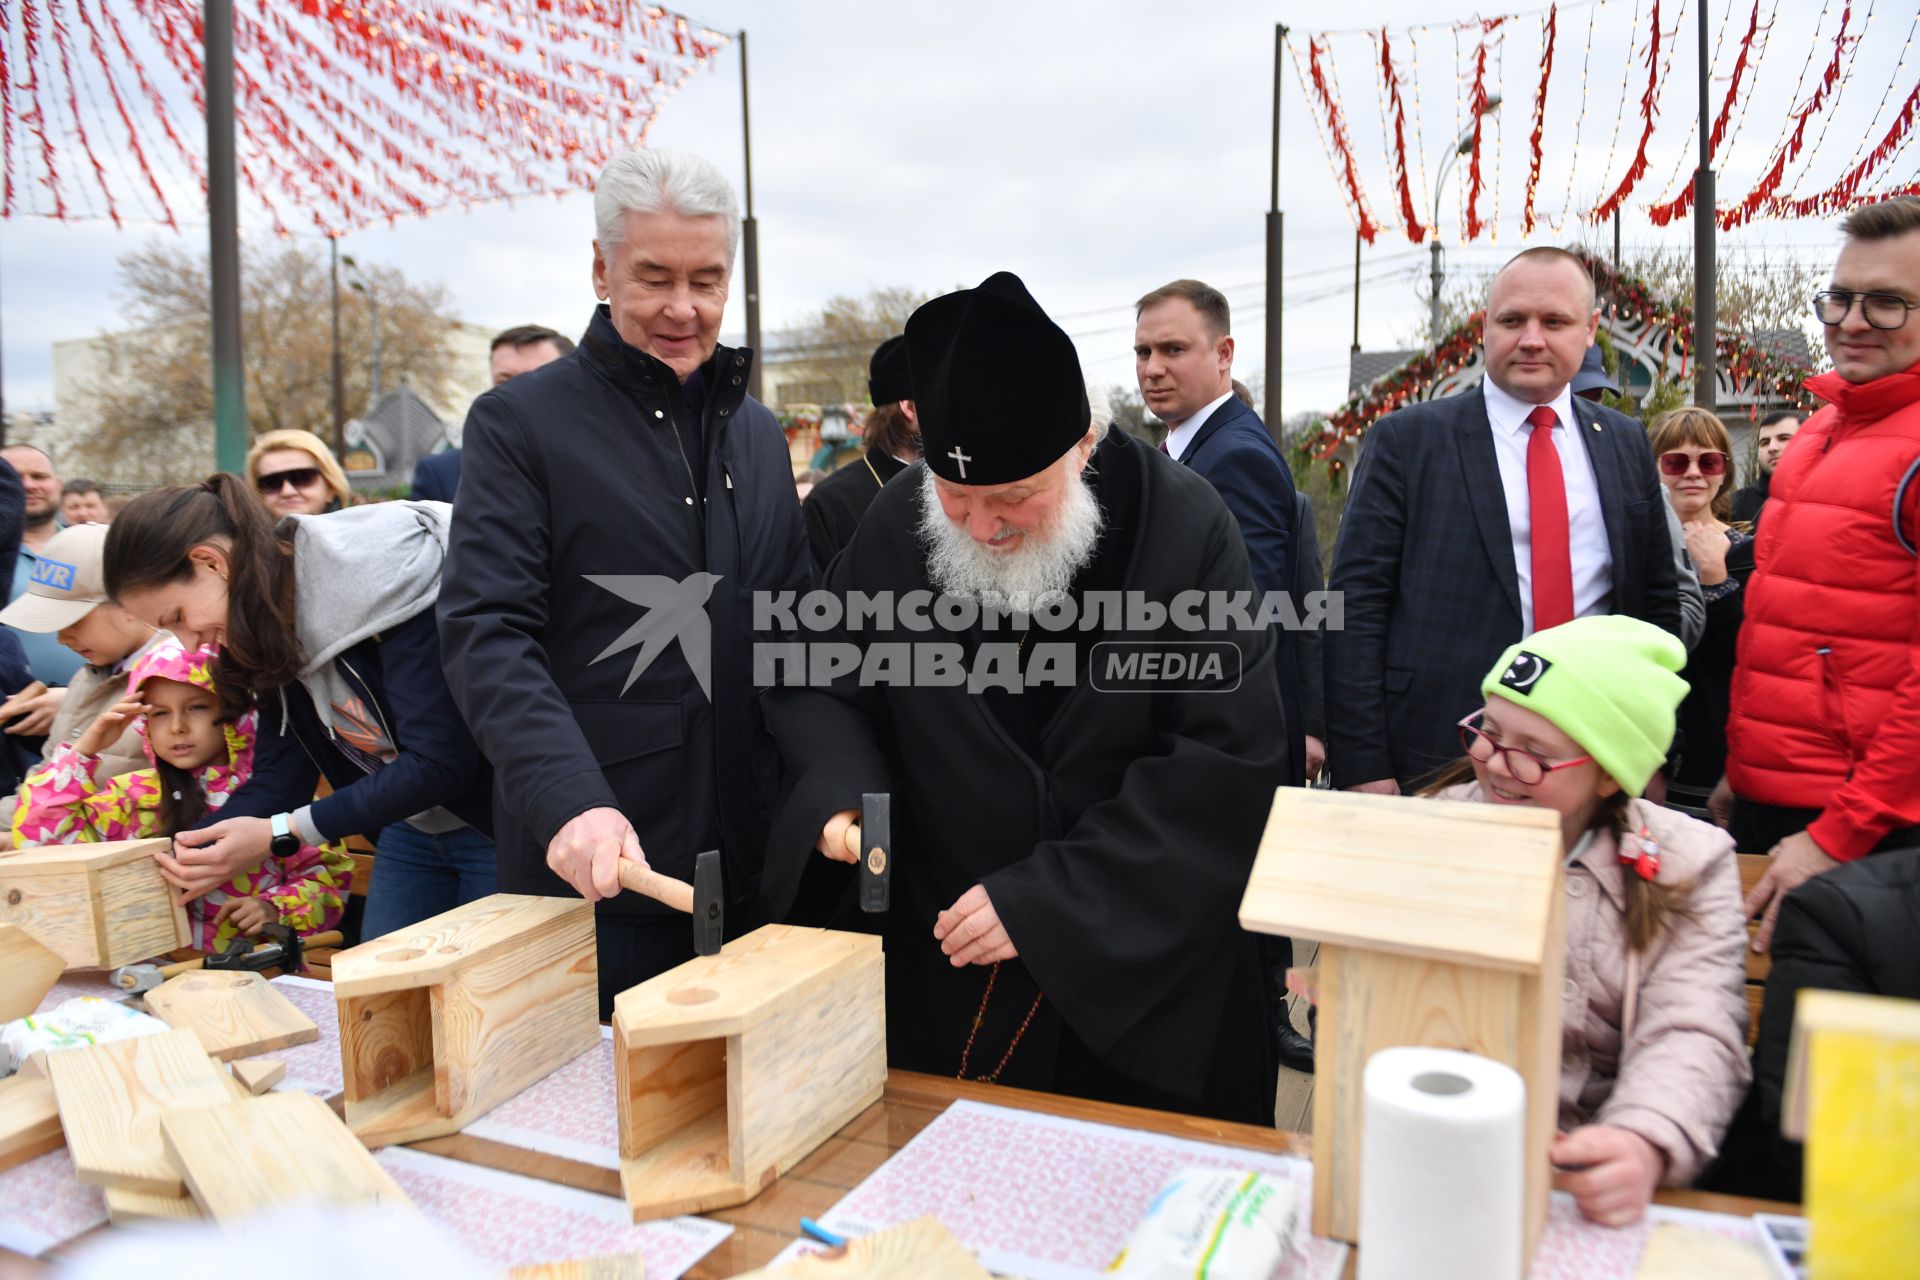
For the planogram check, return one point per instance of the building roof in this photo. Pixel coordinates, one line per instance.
(1364, 368)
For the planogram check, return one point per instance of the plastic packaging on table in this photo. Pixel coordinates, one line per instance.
(1224, 1223)
(82, 1020)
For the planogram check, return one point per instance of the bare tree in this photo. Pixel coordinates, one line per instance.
(826, 354)
(153, 398)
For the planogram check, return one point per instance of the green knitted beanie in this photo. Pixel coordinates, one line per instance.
(1609, 683)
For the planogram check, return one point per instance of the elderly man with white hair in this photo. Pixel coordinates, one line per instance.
(618, 507)
(1080, 742)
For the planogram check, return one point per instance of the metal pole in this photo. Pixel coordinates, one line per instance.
(339, 369)
(1705, 280)
(1276, 252)
(373, 399)
(1356, 294)
(1616, 242)
(223, 233)
(1437, 273)
(750, 234)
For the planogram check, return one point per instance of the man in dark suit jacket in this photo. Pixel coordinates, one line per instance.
(1437, 563)
(521, 349)
(1183, 357)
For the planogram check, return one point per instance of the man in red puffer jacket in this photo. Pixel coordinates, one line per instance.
(1823, 744)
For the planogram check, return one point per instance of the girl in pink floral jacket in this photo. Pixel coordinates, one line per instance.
(199, 760)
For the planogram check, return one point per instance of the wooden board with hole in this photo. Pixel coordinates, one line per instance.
(236, 1015)
(446, 1019)
(252, 1155)
(112, 1097)
(28, 970)
(94, 905)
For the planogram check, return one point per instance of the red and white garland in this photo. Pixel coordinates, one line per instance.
(347, 113)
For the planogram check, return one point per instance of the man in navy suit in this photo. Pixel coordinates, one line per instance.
(1183, 357)
(1477, 519)
(522, 349)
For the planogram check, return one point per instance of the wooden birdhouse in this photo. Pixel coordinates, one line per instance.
(1440, 924)
(96, 906)
(731, 1068)
(444, 1020)
(1853, 1096)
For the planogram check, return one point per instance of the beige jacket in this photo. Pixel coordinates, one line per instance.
(91, 691)
(1679, 1072)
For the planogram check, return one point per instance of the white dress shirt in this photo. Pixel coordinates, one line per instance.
(1178, 438)
(1586, 521)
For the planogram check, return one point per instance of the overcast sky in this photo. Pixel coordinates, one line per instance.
(1098, 149)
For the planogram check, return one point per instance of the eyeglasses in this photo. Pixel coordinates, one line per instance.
(1882, 310)
(1526, 767)
(1712, 463)
(299, 478)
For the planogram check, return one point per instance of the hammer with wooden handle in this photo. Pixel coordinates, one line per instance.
(870, 841)
(701, 899)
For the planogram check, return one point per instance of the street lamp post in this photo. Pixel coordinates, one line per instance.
(359, 285)
(1438, 272)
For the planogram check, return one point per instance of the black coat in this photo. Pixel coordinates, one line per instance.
(1114, 836)
(1702, 718)
(1238, 457)
(834, 508)
(1309, 646)
(1424, 567)
(577, 487)
(1855, 928)
(1748, 501)
(436, 477)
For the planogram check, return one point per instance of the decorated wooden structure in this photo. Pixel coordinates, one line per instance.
(1440, 925)
(96, 906)
(444, 1020)
(731, 1068)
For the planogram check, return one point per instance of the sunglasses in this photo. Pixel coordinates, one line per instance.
(299, 478)
(1525, 767)
(1676, 463)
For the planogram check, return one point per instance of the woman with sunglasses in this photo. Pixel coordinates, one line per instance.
(296, 474)
(1653, 1050)
(1696, 465)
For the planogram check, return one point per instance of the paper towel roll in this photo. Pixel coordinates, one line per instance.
(1442, 1160)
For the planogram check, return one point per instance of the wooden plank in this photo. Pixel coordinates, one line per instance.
(29, 1120)
(243, 1158)
(426, 953)
(259, 1076)
(722, 995)
(618, 1266)
(111, 1099)
(919, 1250)
(1448, 881)
(236, 1015)
(384, 1039)
(124, 1206)
(28, 970)
(687, 1171)
(1891, 1021)
(816, 1063)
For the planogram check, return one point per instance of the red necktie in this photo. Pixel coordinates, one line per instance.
(1551, 538)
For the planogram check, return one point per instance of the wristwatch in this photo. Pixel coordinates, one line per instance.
(284, 844)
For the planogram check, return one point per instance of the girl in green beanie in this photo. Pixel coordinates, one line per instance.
(1653, 1046)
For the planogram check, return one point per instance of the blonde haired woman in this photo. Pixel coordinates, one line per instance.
(296, 474)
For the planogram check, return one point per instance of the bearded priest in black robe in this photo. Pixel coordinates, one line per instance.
(1075, 817)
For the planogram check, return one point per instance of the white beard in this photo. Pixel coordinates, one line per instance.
(1042, 566)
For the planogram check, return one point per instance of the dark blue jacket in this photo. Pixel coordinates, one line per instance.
(436, 477)
(398, 676)
(1424, 569)
(1234, 451)
(579, 504)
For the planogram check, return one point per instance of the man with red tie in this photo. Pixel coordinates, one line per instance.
(1478, 519)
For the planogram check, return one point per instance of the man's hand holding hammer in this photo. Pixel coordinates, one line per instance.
(586, 853)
